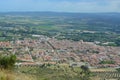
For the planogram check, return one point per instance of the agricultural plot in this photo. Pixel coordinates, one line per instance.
(107, 75)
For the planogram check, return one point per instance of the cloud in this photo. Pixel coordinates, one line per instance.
(61, 5)
(86, 6)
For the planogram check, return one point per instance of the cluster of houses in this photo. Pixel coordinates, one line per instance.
(46, 49)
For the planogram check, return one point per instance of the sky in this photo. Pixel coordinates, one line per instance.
(60, 5)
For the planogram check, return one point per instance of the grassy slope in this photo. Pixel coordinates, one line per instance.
(53, 73)
(8, 75)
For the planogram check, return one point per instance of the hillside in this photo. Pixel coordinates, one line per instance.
(10, 75)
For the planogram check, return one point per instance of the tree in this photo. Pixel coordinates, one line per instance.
(117, 42)
(7, 61)
(84, 68)
(85, 74)
(118, 69)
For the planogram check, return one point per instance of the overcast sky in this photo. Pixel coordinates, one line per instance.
(60, 5)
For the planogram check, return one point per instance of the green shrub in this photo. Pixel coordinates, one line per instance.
(118, 69)
(7, 61)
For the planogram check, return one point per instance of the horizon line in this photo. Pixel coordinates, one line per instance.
(51, 12)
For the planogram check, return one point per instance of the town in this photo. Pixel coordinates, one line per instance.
(53, 51)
